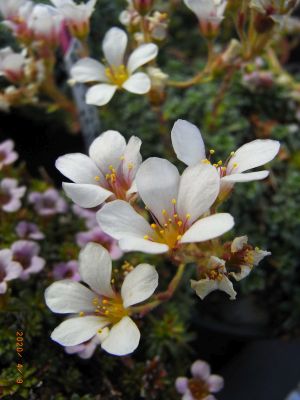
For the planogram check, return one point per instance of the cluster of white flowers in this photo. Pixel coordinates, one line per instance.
(182, 210)
(42, 22)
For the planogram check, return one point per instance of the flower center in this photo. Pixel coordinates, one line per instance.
(112, 309)
(222, 167)
(117, 75)
(198, 388)
(171, 230)
(118, 180)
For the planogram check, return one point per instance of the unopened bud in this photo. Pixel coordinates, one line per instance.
(143, 7)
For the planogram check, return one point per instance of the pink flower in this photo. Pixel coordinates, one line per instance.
(25, 253)
(10, 195)
(201, 385)
(66, 270)
(28, 230)
(96, 235)
(9, 269)
(48, 203)
(7, 153)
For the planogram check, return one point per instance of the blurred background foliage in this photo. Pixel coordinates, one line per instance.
(268, 304)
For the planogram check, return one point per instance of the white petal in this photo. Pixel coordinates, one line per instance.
(157, 181)
(101, 94)
(95, 268)
(119, 220)
(69, 297)
(226, 286)
(245, 177)
(88, 70)
(141, 55)
(132, 157)
(238, 243)
(198, 189)
(204, 286)
(138, 83)
(243, 273)
(78, 167)
(114, 46)
(107, 150)
(208, 228)
(187, 142)
(123, 338)
(253, 154)
(139, 284)
(146, 246)
(86, 195)
(78, 330)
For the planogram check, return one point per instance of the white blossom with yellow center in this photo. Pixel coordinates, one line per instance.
(115, 74)
(176, 205)
(189, 148)
(108, 172)
(100, 310)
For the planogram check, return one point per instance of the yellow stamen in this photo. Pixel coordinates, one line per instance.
(146, 237)
(212, 151)
(174, 201)
(153, 226)
(97, 178)
(81, 314)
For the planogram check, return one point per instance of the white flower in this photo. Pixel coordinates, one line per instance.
(77, 16)
(109, 170)
(101, 306)
(189, 148)
(215, 279)
(244, 257)
(210, 13)
(12, 64)
(45, 23)
(10, 8)
(115, 75)
(175, 204)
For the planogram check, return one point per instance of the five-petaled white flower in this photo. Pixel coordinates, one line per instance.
(109, 171)
(215, 277)
(76, 16)
(210, 13)
(115, 74)
(101, 306)
(189, 148)
(175, 204)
